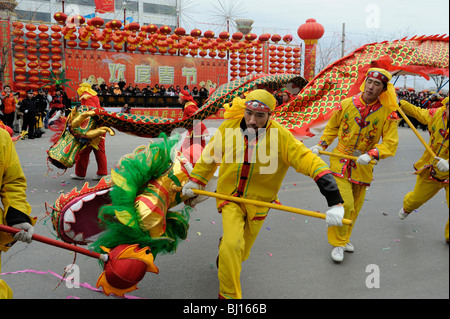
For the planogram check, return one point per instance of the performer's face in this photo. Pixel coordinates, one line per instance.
(373, 89)
(255, 119)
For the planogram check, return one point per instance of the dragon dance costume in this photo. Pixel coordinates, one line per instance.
(89, 97)
(430, 180)
(359, 129)
(13, 186)
(244, 172)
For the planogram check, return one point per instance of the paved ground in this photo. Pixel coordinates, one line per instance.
(291, 257)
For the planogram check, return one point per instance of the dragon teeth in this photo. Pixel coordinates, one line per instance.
(77, 206)
(88, 198)
(69, 216)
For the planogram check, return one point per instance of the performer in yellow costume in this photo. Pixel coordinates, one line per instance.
(254, 154)
(15, 210)
(359, 124)
(432, 173)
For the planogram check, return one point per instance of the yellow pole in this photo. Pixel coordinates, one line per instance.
(265, 204)
(374, 162)
(416, 132)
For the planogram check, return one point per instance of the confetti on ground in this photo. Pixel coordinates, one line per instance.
(268, 228)
(199, 233)
(397, 240)
(213, 222)
(387, 248)
(269, 254)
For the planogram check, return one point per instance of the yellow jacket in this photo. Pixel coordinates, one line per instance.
(257, 171)
(439, 133)
(13, 186)
(357, 136)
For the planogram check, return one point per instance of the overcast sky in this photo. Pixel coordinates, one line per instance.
(365, 21)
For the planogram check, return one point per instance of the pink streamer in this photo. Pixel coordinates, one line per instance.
(84, 285)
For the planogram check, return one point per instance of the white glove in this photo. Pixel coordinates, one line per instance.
(316, 148)
(25, 234)
(335, 215)
(188, 187)
(364, 159)
(442, 165)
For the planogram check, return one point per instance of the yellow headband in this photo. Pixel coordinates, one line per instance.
(237, 108)
(389, 97)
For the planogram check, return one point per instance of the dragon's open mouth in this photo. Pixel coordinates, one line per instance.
(78, 222)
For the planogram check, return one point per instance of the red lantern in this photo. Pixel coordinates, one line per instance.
(222, 54)
(118, 47)
(56, 65)
(18, 40)
(288, 38)
(264, 37)
(32, 50)
(44, 65)
(44, 43)
(56, 35)
(18, 33)
(56, 50)
(30, 27)
(276, 38)
(196, 33)
(20, 71)
(19, 48)
(33, 72)
(33, 79)
(56, 43)
(238, 36)
(31, 35)
(56, 58)
(97, 22)
(71, 44)
(106, 46)
(20, 78)
(224, 35)
(83, 45)
(43, 36)
(60, 17)
(33, 65)
(19, 55)
(17, 25)
(45, 73)
(20, 63)
(115, 24)
(95, 45)
(165, 30)
(55, 28)
(32, 57)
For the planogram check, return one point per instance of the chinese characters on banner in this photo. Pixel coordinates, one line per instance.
(143, 69)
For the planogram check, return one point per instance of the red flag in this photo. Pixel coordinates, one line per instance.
(103, 6)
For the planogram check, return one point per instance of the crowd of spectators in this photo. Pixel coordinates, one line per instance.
(121, 88)
(424, 99)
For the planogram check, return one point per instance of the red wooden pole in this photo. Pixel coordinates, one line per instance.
(56, 243)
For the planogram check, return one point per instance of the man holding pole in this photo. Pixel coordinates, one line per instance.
(254, 154)
(432, 168)
(359, 123)
(16, 209)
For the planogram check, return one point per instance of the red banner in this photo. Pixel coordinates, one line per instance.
(5, 53)
(143, 69)
(103, 6)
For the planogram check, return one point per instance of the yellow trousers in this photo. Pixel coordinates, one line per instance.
(353, 196)
(424, 190)
(239, 235)
(5, 290)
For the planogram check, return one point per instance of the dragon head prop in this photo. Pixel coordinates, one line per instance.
(130, 209)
